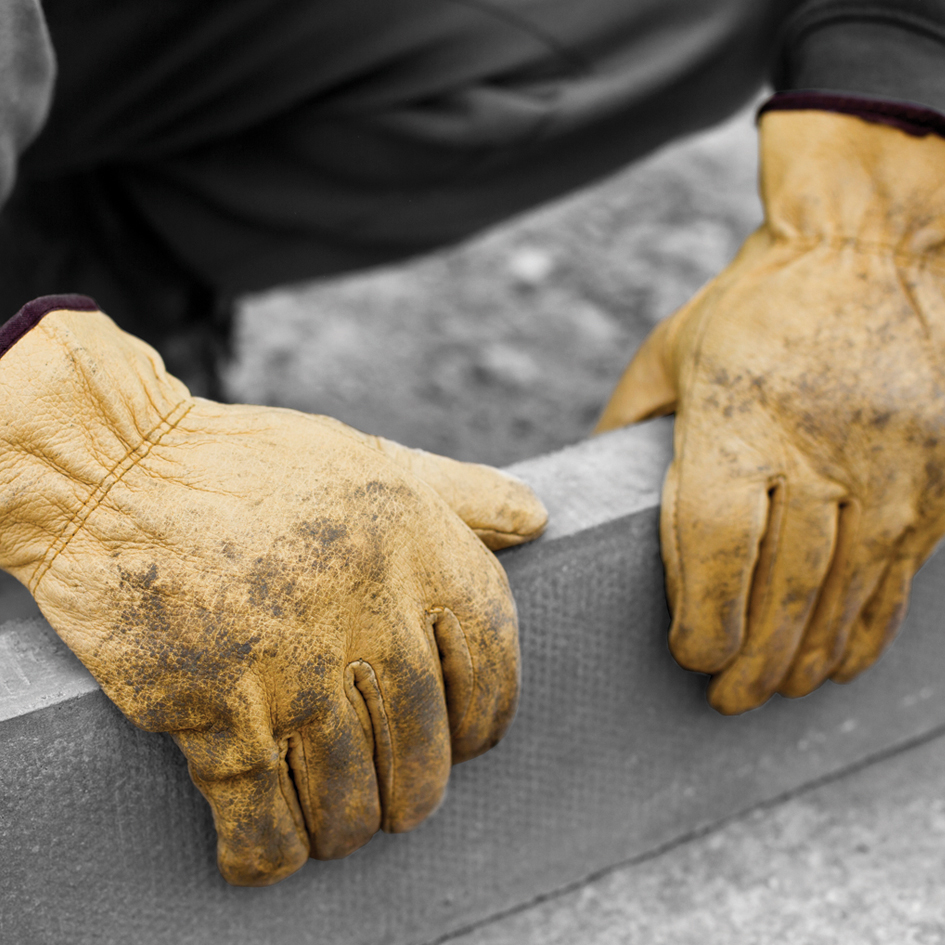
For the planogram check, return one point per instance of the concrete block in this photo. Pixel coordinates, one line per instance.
(614, 753)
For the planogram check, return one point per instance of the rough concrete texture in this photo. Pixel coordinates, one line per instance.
(614, 754)
(499, 350)
(857, 861)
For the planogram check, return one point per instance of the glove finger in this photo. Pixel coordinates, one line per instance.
(398, 690)
(332, 766)
(501, 509)
(855, 573)
(647, 387)
(242, 772)
(476, 634)
(879, 621)
(711, 529)
(794, 560)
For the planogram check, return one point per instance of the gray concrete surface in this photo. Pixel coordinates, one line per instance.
(614, 754)
(857, 861)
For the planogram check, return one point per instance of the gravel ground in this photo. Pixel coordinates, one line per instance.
(507, 346)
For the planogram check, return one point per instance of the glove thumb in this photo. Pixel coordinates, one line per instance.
(647, 388)
(497, 506)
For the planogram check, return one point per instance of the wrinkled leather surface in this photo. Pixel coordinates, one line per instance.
(302, 606)
(808, 483)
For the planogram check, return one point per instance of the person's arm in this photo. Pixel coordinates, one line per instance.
(27, 72)
(808, 379)
(879, 49)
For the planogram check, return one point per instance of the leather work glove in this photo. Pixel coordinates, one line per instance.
(306, 609)
(808, 382)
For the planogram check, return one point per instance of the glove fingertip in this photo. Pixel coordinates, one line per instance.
(734, 697)
(522, 515)
(696, 649)
(501, 510)
(849, 668)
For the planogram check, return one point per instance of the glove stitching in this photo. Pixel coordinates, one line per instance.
(862, 246)
(114, 475)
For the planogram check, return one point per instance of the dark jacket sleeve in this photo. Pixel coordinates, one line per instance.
(27, 70)
(891, 49)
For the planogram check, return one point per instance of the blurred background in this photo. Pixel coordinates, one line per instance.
(508, 346)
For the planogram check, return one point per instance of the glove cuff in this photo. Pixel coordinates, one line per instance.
(858, 172)
(916, 120)
(81, 402)
(33, 312)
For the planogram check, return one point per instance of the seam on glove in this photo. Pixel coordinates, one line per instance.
(483, 533)
(440, 652)
(302, 782)
(113, 476)
(290, 773)
(368, 686)
(883, 250)
(677, 543)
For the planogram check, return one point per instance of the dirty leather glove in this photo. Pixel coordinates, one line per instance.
(300, 605)
(808, 381)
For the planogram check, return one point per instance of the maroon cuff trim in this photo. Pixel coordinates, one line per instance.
(33, 312)
(912, 119)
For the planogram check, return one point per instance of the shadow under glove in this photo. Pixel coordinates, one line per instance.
(300, 605)
(808, 381)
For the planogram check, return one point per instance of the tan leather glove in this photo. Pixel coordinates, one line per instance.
(299, 604)
(808, 483)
